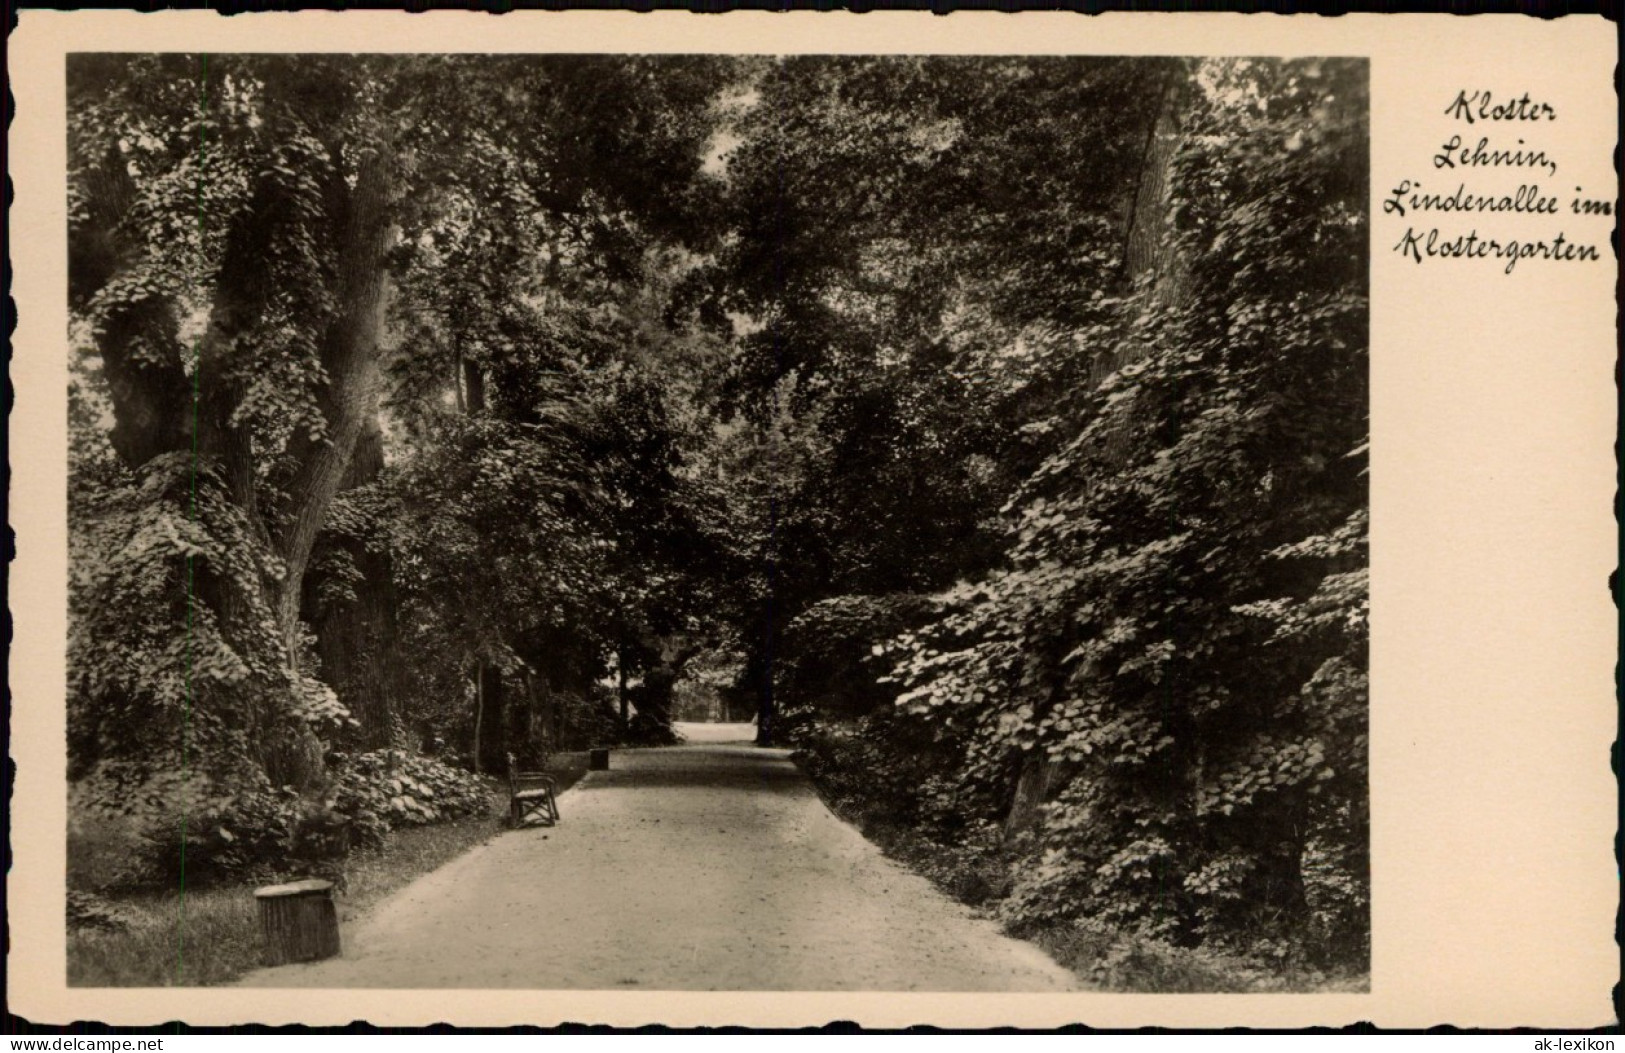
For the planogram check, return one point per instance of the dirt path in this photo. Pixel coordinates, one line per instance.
(709, 866)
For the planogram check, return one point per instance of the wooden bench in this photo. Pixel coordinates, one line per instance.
(532, 797)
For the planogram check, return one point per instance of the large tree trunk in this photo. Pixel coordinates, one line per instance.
(535, 727)
(550, 714)
(358, 648)
(762, 681)
(350, 357)
(186, 400)
(521, 716)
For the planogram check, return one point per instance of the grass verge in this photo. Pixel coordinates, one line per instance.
(216, 937)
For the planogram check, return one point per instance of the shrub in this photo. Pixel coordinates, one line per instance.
(249, 835)
(378, 791)
(255, 835)
(270, 833)
(976, 871)
(857, 772)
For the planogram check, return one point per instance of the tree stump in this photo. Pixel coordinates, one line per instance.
(299, 920)
(598, 760)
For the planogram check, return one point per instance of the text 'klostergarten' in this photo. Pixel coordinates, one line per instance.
(1499, 136)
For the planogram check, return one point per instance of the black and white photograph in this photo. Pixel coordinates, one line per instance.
(767, 521)
(721, 523)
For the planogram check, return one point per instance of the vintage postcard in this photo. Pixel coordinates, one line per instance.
(773, 519)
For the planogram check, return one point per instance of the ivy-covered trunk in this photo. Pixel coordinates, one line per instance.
(1149, 262)
(349, 356)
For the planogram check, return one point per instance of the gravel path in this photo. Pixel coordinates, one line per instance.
(708, 866)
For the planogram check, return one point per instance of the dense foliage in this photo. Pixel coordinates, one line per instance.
(1174, 654)
(997, 424)
(345, 330)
